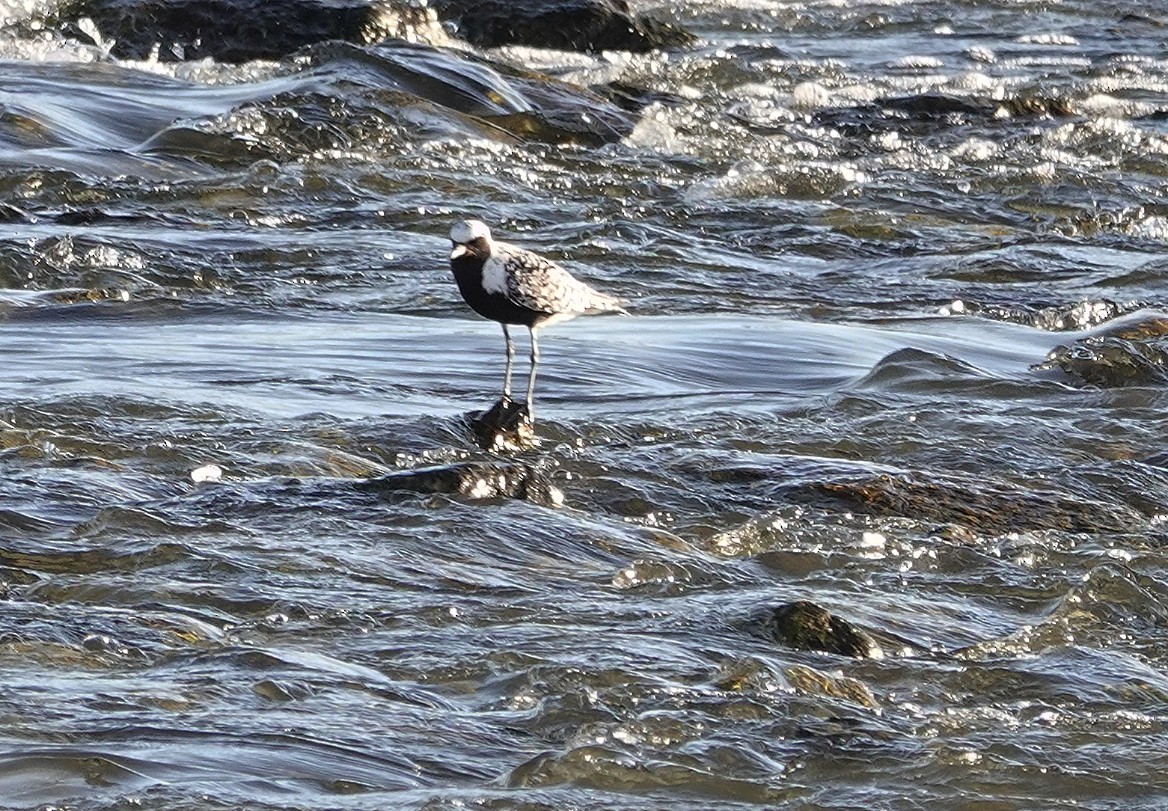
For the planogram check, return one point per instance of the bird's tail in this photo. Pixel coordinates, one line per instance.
(603, 303)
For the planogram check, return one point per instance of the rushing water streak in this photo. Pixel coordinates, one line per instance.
(896, 347)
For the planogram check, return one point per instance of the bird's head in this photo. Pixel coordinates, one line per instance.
(471, 238)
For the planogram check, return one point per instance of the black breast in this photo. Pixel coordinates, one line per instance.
(468, 272)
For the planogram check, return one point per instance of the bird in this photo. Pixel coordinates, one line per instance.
(517, 287)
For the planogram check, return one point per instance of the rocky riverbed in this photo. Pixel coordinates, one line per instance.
(862, 505)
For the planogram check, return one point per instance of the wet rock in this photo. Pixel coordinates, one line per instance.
(280, 690)
(985, 506)
(929, 112)
(573, 25)
(816, 682)
(803, 625)
(1111, 362)
(915, 112)
(10, 213)
(1128, 352)
(1139, 327)
(243, 30)
(236, 30)
(504, 426)
(1034, 107)
(1065, 317)
(473, 480)
(1081, 315)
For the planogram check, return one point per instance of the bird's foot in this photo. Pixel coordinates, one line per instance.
(505, 426)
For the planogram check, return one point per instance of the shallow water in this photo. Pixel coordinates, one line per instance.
(833, 385)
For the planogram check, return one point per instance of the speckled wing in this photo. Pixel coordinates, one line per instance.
(541, 285)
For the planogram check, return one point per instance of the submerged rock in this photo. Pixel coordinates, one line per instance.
(985, 506)
(574, 25)
(530, 105)
(816, 682)
(633, 98)
(378, 98)
(237, 30)
(803, 625)
(473, 480)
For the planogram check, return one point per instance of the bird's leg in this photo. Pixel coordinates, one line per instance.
(507, 374)
(531, 378)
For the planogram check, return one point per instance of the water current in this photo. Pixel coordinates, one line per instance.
(895, 274)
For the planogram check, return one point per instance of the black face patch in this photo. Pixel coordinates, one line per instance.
(476, 248)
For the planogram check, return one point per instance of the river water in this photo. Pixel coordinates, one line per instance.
(849, 235)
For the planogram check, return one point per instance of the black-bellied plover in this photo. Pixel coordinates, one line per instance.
(515, 286)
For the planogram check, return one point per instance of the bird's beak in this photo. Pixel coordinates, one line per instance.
(459, 250)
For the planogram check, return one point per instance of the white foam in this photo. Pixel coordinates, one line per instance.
(654, 132)
(810, 95)
(752, 179)
(979, 53)
(207, 473)
(917, 63)
(1154, 227)
(975, 149)
(1047, 39)
(974, 80)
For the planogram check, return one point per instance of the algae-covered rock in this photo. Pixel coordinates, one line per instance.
(803, 625)
(816, 682)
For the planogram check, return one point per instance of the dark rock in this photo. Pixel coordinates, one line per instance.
(1131, 351)
(573, 25)
(933, 105)
(1111, 362)
(10, 213)
(472, 480)
(236, 30)
(242, 30)
(328, 35)
(1080, 315)
(983, 505)
(504, 426)
(929, 112)
(1035, 107)
(916, 114)
(803, 625)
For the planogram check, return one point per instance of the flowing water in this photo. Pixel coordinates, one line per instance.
(851, 237)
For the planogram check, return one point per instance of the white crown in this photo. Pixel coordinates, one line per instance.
(468, 231)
